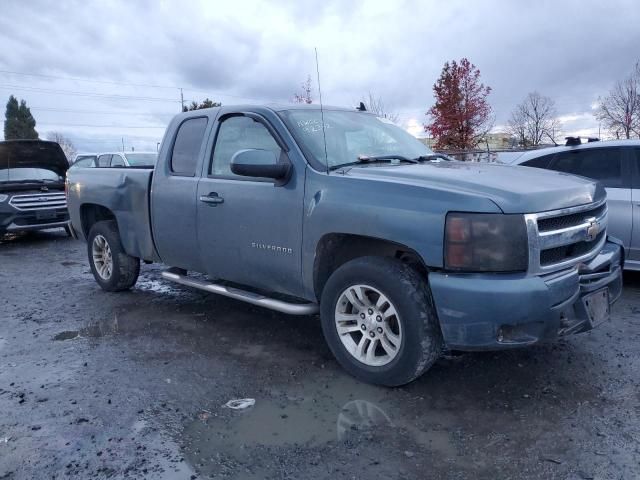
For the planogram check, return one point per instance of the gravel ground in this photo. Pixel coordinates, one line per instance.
(132, 385)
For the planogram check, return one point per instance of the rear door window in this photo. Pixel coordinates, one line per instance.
(540, 162)
(104, 160)
(117, 161)
(602, 164)
(186, 148)
(86, 162)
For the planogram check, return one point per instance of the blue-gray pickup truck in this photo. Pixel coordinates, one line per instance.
(403, 254)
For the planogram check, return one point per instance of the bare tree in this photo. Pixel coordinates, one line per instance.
(65, 143)
(304, 96)
(534, 120)
(619, 111)
(376, 105)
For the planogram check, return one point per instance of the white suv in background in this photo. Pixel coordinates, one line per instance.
(127, 159)
(616, 164)
(116, 159)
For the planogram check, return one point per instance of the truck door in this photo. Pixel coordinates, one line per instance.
(251, 233)
(173, 197)
(609, 166)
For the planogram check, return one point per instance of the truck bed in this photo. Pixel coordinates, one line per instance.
(125, 193)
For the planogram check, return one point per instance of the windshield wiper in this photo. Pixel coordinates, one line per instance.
(434, 157)
(374, 159)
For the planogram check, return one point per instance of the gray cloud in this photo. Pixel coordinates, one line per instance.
(262, 51)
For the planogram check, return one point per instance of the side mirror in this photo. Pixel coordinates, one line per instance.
(253, 162)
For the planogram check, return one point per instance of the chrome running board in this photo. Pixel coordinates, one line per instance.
(243, 295)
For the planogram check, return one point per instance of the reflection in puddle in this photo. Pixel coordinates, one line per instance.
(339, 410)
(98, 329)
(358, 415)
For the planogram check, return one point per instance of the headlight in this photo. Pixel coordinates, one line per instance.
(485, 242)
(3, 198)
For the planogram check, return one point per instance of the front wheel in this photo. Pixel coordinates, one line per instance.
(112, 267)
(379, 321)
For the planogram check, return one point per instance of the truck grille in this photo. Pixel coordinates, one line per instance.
(563, 238)
(39, 201)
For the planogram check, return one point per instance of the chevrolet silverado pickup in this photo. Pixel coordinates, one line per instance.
(32, 175)
(303, 210)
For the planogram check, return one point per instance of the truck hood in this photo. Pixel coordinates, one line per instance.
(32, 154)
(513, 189)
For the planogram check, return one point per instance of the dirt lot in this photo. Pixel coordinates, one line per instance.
(132, 385)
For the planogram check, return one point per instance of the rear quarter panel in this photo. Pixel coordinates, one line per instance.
(123, 191)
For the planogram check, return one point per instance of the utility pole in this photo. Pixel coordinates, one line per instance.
(181, 101)
(123, 144)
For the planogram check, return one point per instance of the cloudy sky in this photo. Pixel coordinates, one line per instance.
(107, 73)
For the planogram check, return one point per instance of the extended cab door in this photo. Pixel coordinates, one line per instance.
(611, 168)
(173, 196)
(251, 232)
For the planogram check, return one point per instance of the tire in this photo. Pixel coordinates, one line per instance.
(124, 270)
(409, 323)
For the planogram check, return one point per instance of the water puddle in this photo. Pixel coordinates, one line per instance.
(336, 412)
(93, 330)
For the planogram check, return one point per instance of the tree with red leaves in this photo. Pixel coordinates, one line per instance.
(461, 114)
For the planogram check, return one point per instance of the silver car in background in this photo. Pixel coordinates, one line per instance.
(116, 159)
(616, 164)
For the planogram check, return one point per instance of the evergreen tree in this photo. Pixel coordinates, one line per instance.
(19, 123)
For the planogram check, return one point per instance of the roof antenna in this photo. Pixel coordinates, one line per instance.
(324, 135)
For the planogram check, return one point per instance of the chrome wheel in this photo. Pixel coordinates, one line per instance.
(102, 257)
(368, 325)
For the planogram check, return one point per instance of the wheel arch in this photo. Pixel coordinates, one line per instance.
(335, 249)
(92, 213)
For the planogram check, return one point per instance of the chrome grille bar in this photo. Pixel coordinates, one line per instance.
(576, 237)
(39, 201)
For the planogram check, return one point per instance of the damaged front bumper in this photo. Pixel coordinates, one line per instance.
(496, 311)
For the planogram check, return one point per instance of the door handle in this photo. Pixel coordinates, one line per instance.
(212, 199)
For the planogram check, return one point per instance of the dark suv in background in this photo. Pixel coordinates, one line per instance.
(616, 164)
(32, 175)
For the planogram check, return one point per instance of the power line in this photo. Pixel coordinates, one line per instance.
(87, 94)
(111, 82)
(117, 112)
(77, 79)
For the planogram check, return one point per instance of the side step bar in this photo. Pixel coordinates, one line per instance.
(243, 295)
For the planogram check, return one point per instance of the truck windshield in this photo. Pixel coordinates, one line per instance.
(349, 136)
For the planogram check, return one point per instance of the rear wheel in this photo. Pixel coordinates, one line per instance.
(112, 267)
(379, 321)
